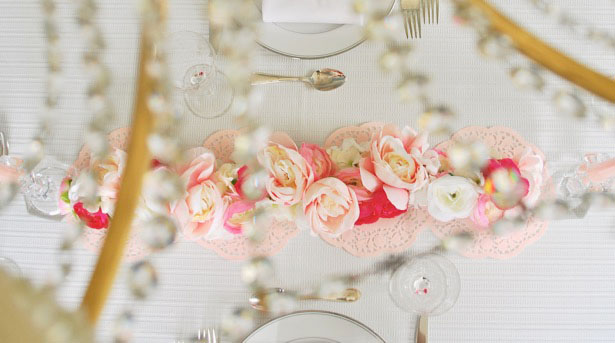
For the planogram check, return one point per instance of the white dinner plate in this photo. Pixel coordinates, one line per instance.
(313, 327)
(310, 41)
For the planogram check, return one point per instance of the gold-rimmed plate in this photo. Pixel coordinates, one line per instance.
(312, 41)
(313, 327)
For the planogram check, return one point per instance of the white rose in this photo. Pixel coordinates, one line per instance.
(451, 197)
(349, 154)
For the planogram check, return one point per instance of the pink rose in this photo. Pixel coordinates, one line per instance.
(485, 213)
(289, 174)
(352, 178)
(330, 207)
(237, 216)
(318, 159)
(531, 166)
(400, 163)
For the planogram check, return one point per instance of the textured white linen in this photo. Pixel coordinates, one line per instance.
(310, 11)
(560, 289)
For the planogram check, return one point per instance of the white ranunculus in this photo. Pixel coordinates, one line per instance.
(451, 197)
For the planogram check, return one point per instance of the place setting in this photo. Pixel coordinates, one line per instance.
(401, 215)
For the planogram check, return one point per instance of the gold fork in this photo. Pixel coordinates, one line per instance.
(412, 17)
(433, 11)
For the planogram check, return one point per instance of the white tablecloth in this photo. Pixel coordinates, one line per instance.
(560, 289)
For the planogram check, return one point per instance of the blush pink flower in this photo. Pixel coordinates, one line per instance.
(199, 169)
(352, 178)
(531, 166)
(200, 212)
(9, 174)
(504, 183)
(330, 207)
(108, 173)
(485, 213)
(400, 163)
(237, 216)
(289, 174)
(318, 159)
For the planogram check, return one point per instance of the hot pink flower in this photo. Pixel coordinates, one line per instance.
(504, 183)
(330, 207)
(378, 206)
(399, 162)
(97, 220)
(242, 177)
(318, 159)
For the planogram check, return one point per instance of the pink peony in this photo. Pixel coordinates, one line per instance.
(399, 162)
(330, 207)
(318, 159)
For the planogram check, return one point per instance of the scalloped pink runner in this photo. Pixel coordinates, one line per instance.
(504, 142)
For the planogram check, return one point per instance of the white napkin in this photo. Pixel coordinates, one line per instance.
(311, 11)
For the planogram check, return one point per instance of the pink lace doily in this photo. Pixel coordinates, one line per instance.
(93, 239)
(386, 235)
(222, 144)
(504, 142)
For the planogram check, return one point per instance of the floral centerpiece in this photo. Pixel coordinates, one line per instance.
(349, 185)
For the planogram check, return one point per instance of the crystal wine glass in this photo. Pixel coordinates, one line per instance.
(427, 285)
(191, 59)
(40, 187)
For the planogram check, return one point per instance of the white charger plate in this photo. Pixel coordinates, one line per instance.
(313, 327)
(311, 41)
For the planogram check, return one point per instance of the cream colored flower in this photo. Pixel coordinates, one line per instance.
(348, 154)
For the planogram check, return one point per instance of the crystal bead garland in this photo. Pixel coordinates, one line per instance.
(236, 21)
(571, 101)
(584, 30)
(161, 186)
